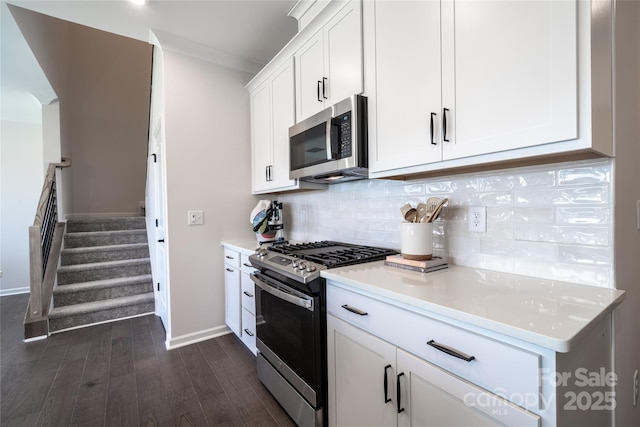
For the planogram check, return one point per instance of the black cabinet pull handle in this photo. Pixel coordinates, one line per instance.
(398, 393)
(318, 90)
(248, 294)
(444, 124)
(433, 115)
(248, 332)
(247, 265)
(450, 351)
(229, 270)
(355, 310)
(160, 240)
(387, 399)
(324, 81)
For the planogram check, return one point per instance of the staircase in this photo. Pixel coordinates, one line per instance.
(105, 273)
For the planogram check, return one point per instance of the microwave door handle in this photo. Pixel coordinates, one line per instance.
(301, 302)
(333, 143)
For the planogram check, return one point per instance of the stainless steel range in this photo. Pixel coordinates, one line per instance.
(291, 324)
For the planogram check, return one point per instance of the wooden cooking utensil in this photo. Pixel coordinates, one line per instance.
(436, 211)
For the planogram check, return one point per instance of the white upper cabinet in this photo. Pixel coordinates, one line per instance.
(459, 83)
(408, 87)
(509, 74)
(329, 64)
(272, 113)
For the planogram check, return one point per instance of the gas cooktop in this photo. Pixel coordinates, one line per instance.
(304, 261)
(333, 254)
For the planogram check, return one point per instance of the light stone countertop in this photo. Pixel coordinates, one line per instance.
(551, 314)
(547, 313)
(247, 247)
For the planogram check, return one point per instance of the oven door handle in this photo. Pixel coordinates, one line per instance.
(301, 302)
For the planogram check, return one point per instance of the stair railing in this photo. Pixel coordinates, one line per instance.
(45, 243)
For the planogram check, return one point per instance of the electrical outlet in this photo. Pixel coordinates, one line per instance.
(635, 388)
(195, 217)
(477, 218)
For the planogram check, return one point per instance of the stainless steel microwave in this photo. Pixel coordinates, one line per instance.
(331, 146)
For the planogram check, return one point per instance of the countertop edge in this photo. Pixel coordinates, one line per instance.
(246, 247)
(426, 307)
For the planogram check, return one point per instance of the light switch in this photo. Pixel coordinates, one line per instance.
(195, 217)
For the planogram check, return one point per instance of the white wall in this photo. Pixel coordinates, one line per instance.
(207, 168)
(21, 179)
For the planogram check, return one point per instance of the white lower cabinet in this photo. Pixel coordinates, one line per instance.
(240, 314)
(232, 315)
(248, 303)
(375, 383)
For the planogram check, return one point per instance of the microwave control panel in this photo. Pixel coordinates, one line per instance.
(342, 124)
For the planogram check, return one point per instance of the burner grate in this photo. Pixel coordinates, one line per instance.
(334, 254)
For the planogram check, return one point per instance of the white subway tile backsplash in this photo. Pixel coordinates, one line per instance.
(550, 221)
(592, 175)
(584, 216)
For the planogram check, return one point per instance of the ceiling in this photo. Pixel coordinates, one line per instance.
(251, 30)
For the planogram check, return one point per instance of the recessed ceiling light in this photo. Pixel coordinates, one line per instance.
(138, 2)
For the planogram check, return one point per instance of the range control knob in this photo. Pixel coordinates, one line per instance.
(295, 264)
(261, 252)
(302, 266)
(311, 268)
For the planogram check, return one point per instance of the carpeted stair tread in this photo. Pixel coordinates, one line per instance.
(80, 315)
(91, 254)
(99, 284)
(76, 273)
(105, 224)
(104, 238)
(101, 265)
(90, 307)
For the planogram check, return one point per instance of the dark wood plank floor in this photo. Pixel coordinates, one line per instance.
(120, 374)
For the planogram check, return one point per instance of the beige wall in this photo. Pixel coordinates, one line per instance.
(103, 84)
(207, 168)
(627, 195)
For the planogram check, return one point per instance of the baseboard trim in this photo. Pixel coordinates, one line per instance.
(13, 291)
(102, 215)
(196, 337)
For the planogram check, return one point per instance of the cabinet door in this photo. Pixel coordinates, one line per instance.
(408, 85)
(283, 117)
(343, 54)
(358, 363)
(232, 299)
(309, 66)
(329, 65)
(433, 397)
(261, 136)
(249, 330)
(509, 74)
(248, 293)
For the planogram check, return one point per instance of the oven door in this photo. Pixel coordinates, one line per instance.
(288, 334)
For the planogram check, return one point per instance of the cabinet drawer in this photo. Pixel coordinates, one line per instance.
(248, 293)
(245, 264)
(248, 335)
(231, 258)
(496, 366)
